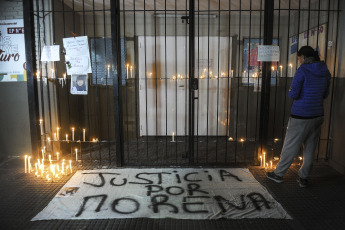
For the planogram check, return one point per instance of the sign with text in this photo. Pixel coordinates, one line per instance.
(77, 55)
(12, 50)
(50, 53)
(268, 53)
(163, 193)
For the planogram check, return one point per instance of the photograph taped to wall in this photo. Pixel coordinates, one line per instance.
(79, 84)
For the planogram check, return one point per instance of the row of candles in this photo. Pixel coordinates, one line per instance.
(52, 171)
(56, 135)
(280, 72)
(129, 73)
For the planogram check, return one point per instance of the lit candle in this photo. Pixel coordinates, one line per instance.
(57, 133)
(264, 160)
(57, 156)
(43, 154)
(66, 137)
(26, 167)
(174, 77)
(242, 140)
(260, 161)
(281, 70)
(76, 154)
(64, 76)
(55, 137)
(271, 164)
(127, 70)
(290, 69)
(83, 134)
(50, 158)
(108, 71)
(244, 73)
(70, 165)
(266, 165)
(173, 137)
(232, 73)
(72, 134)
(41, 126)
(53, 73)
(38, 74)
(231, 139)
(131, 71)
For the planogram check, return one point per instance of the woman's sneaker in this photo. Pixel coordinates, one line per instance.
(302, 182)
(274, 177)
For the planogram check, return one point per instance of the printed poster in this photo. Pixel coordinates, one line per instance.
(77, 57)
(12, 51)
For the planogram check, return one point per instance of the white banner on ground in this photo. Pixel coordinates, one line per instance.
(163, 193)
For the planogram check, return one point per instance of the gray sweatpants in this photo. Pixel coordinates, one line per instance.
(300, 131)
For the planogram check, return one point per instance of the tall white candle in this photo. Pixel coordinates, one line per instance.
(57, 156)
(66, 137)
(108, 71)
(70, 165)
(57, 133)
(72, 134)
(131, 71)
(127, 70)
(281, 70)
(76, 154)
(232, 73)
(83, 134)
(264, 160)
(54, 137)
(29, 164)
(41, 126)
(26, 167)
(260, 161)
(271, 164)
(53, 73)
(173, 137)
(50, 158)
(290, 69)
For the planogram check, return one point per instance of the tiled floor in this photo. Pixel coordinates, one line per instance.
(320, 206)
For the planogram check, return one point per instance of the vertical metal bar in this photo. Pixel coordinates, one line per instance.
(106, 80)
(208, 76)
(228, 87)
(191, 78)
(186, 145)
(276, 85)
(176, 140)
(156, 76)
(166, 78)
(308, 23)
(127, 82)
(333, 84)
(219, 76)
(248, 64)
(30, 69)
(136, 83)
(116, 50)
(238, 78)
(146, 121)
(266, 75)
(317, 46)
(198, 92)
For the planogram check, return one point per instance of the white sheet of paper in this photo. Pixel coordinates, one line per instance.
(80, 65)
(268, 53)
(77, 53)
(50, 53)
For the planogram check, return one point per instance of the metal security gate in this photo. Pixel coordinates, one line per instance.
(174, 82)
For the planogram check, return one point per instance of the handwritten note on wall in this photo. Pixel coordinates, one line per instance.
(268, 53)
(77, 55)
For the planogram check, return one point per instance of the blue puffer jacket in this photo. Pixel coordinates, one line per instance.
(308, 89)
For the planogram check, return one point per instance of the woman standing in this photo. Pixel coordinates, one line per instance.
(309, 88)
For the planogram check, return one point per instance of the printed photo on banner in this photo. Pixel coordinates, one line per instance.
(79, 84)
(12, 51)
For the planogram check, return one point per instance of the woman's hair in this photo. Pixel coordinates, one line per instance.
(308, 52)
